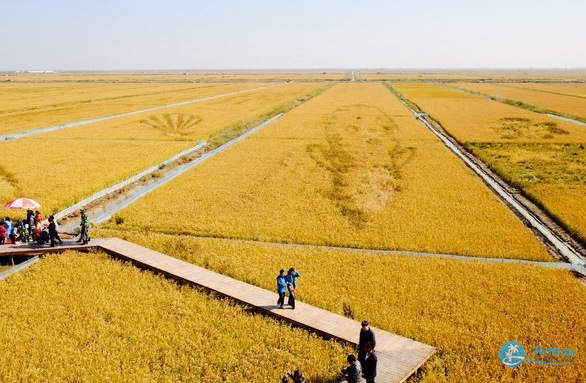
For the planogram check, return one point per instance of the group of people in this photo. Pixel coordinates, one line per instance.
(287, 283)
(30, 229)
(365, 365)
(33, 229)
(362, 367)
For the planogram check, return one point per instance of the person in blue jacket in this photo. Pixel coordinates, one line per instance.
(281, 288)
(290, 279)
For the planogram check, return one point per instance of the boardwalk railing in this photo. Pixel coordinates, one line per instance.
(398, 357)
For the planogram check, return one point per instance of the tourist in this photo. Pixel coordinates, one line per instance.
(30, 220)
(25, 233)
(39, 233)
(8, 225)
(38, 216)
(369, 366)
(281, 288)
(290, 278)
(366, 335)
(352, 373)
(84, 236)
(53, 232)
(296, 377)
(2, 233)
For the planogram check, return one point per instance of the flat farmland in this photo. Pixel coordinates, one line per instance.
(27, 114)
(546, 161)
(466, 309)
(566, 99)
(80, 317)
(350, 168)
(191, 122)
(70, 165)
(472, 118)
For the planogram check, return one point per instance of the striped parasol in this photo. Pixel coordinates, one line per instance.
(22, 203)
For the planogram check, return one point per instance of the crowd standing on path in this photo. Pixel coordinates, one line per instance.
(33, 229)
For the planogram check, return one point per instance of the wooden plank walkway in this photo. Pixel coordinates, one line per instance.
(398, 357)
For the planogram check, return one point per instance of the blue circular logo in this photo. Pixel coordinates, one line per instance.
(512, 354)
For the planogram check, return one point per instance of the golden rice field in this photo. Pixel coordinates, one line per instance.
(553, 174)
(466, 309)
(88, 318)
(69, 165)
(63, 172)
(107, 103)
(18, 97)
(202, 120)
(569, 100)
(348, 168)
(545, 161)
(471, 118)
(175, 77)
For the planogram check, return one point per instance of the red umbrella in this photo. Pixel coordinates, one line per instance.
(22, 203)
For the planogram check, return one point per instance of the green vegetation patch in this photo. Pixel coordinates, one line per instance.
(535, 163)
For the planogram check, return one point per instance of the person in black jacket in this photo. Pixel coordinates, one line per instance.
(53, 233)
(366, 335)
(369, 366)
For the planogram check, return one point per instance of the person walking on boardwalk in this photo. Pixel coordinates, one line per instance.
(290, 278)
(53, 232)
(281, 288)
(366, 335)
(84, 236)
(352, 373)
(370, 362)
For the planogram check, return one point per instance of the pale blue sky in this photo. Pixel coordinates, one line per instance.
(223, 34)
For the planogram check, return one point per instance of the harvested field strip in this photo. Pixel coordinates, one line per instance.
(466, 309)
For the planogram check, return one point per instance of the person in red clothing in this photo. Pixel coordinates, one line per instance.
(2, 234)
(38, 217)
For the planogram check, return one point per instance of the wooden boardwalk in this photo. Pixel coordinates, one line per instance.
(398, 357)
